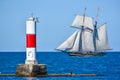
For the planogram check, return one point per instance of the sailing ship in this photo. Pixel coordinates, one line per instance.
(87, 40)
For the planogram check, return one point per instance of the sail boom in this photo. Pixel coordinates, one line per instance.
(76, 27)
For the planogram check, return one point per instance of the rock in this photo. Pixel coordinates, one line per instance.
(31, 69)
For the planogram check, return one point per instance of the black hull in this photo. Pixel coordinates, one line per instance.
(86, 54)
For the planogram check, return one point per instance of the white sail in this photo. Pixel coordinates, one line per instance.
(102, 41)
(82, 21)
(87, 41)
(83, 42)
(77, 44)
(68, 43)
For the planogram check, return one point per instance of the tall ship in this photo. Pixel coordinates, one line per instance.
(88, 39)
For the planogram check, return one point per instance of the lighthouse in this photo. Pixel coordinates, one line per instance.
(31, 41)
(31, 66)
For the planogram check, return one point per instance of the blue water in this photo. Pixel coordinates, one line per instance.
(107, 66)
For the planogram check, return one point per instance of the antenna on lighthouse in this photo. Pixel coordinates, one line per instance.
(32, 14)
(37, 19)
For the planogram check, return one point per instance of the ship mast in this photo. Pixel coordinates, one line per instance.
(95, 33)
(82, 29)
(84, 17)
(97, 17)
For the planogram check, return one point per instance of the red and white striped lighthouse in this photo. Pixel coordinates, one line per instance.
(31, 41)
(31, 66)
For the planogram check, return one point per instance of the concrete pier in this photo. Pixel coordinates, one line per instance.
(31, 70)
(57, 75)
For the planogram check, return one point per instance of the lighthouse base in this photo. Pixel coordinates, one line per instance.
(31, 62)
(31, 70)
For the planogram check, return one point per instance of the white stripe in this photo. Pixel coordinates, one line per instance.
(30, 27)
(30, 54)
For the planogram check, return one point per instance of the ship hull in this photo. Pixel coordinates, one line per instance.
(86, 54)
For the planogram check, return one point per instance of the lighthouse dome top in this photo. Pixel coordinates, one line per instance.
(31, 19)
(35, 19)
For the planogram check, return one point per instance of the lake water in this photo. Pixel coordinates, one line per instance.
(107, 66)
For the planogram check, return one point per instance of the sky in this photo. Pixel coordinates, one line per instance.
(55, 19)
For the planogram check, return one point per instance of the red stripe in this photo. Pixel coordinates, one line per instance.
(30, 40)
